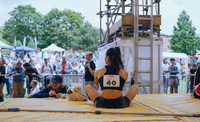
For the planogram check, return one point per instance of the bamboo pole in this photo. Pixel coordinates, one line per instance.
(99, 112)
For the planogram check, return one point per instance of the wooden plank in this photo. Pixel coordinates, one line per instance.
(115, 27)
(128, 19)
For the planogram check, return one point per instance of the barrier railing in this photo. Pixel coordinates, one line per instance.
(68, 79)
(77, 80)
(184, 83)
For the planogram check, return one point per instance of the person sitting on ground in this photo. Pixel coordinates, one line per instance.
(111, 78)
(34, 88)
(55, 89)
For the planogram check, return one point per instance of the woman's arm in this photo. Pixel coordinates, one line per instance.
(96, 82)
(42, 94)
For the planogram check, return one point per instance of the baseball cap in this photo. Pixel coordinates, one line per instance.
(56, 78)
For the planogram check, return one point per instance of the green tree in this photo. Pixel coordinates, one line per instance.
(86, 38)
(18, 43)
(59, 27)
(3, 40)
(184, 38)
(31, 43)
(23, 21)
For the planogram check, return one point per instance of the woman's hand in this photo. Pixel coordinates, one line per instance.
(95, 87)
(58, 95)
(52, 93)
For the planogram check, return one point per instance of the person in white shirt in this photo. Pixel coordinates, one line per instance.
(165, 75)
(38, 67)
(46, 71)
(34, 88)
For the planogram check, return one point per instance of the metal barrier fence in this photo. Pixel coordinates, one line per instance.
(184, 83)
(68, 79)
(77, 80)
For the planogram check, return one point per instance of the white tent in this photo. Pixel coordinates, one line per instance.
(174, 55)
(182, 56)
(5, 46)
(53, 48)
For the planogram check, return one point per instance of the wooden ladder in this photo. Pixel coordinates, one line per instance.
(136, 45)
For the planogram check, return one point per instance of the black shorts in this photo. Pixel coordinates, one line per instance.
(120, 102)
(2, 80)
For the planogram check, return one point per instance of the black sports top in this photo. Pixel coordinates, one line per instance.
(111, 80)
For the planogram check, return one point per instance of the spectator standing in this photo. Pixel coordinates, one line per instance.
(188, 77)
(2, 78)
(18, 73)
(192, 73)
(64, 67)
(11, 77)
(75, 66)
(54, 67)
(89, 69)
(165, 75)
(38, 67)
(31, 63)
(8, 84)
(173, 79)
(31, 73)
(46, 71)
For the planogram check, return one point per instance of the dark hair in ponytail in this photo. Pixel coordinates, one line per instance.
(115, 59)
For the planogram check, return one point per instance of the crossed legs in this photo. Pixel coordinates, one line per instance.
(130, 93)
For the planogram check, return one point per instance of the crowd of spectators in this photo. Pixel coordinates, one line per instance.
(174, 71)
(24, 76)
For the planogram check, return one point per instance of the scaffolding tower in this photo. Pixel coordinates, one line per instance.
(138, 19)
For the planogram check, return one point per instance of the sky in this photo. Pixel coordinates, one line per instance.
(170, 10)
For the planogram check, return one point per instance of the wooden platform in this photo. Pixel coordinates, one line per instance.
(160, 103)
(127, 21)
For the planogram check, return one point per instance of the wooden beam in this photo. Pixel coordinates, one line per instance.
(128, 19)
(115, 27)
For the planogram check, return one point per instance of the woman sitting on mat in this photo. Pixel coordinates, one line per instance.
(111, 78)
(55, 89)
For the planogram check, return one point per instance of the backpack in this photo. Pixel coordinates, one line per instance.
(49, 67)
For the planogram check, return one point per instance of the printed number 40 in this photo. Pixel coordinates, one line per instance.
(111, 83)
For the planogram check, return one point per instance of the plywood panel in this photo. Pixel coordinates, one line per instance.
(128, 19)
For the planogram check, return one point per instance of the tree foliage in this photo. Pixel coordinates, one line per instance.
(3, 40)
(23, 21)
(31, 43)
(59, 27)
(65, 28)
(18, 43)
(86, 38)
(184, 38)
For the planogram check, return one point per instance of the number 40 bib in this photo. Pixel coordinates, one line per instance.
(111, 81)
